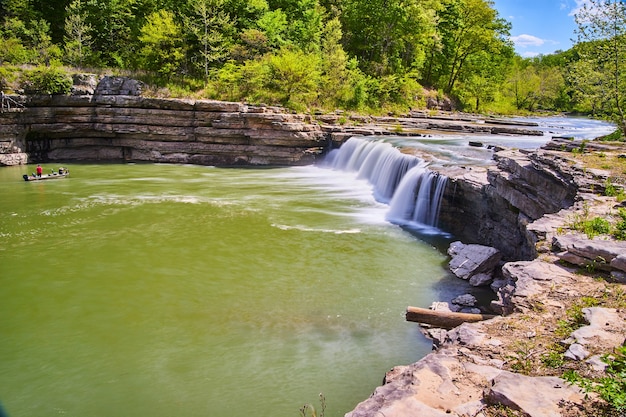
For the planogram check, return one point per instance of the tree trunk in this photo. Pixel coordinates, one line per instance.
(443, 319)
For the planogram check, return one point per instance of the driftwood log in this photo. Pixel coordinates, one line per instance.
(443, 319)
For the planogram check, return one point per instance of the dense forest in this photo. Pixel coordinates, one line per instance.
(362, 55)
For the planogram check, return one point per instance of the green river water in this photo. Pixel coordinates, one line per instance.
(167, 290)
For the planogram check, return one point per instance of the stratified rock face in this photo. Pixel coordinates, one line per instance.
(12, 150)
(474, 212)
(493, 206)
(132, 128)
(111, 121)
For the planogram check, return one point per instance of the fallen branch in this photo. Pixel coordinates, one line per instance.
(443, 319)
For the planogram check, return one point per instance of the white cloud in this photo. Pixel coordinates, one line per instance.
(530, 54)
(524, 41)
(579, 5)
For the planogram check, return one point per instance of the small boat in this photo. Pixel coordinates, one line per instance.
(62, 173)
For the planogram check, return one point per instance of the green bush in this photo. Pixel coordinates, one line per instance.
(12, 51)
(619, 232)
(616, 136)
(8, 77)
(594, 227)
(612, 387)
(46, 80)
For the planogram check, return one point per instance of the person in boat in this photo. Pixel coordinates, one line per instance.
(39, 170)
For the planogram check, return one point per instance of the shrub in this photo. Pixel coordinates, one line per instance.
(592, 227)
(619, 232)
(612, 387)
(46, 80)
(616, 136)
(8, 77)
(14, 52)
(610, 190)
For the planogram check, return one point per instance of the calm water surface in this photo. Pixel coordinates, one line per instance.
(163, 290)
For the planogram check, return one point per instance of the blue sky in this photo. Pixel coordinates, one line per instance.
(540, 26)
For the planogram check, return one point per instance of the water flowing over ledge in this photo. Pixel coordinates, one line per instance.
(403, 181)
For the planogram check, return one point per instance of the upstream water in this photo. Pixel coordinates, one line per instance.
(161, 290)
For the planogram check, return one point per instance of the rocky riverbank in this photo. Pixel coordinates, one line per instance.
(559, 311)
(523, 205)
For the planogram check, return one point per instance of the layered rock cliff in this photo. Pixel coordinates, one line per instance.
(493, 206)
(129, 128)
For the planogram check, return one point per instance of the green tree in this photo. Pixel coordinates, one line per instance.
(466, 28)
(602, 29)
(211, 26)
(19, 9)
(252, 44)
(289, 78)
(334, 87)
(28, 11)
(116, 27)
(273, 24)
(294, 77)
(163, 44)
(34, 37)
(486, 73)
(305, 25)
(247, 12)
(78, 37)
(533, 86)
(388, 36)
(588, 87)
(523, 85)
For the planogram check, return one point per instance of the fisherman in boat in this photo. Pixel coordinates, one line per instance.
(39, 170)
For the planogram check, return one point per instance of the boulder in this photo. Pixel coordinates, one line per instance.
(465, 300)
(119, 86)
(480, 280)
(527, 282)
(606, 327)
(84, 84)
(601, 254)
(533, 396)
(619, 262)
(470, 260)
(576, 352)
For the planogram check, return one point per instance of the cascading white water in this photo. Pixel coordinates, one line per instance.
(403, 181)
(418, 197)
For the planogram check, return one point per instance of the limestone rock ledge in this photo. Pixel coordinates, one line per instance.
(446, 384)
(132, 128)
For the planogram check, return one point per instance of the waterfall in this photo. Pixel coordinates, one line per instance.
(403, 181)
(418, 197)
